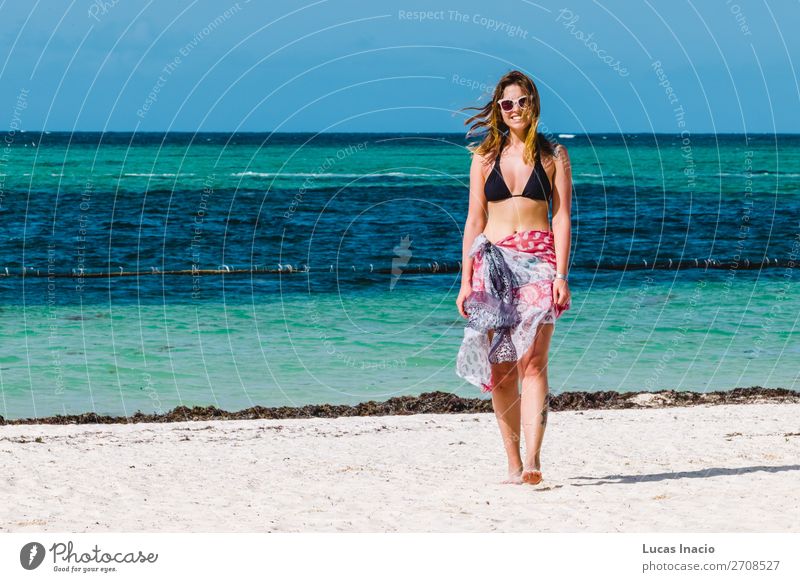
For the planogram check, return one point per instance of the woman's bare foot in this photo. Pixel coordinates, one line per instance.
(514, 474)
(532, 476)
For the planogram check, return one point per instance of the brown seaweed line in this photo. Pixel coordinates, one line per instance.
(432, 403)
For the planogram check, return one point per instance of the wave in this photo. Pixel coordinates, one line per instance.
(137, 175)
(756, 173)
(344, 175)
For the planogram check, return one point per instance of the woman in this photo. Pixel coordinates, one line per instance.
(514, 269)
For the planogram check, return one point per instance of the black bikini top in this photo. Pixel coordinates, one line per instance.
(537, 187)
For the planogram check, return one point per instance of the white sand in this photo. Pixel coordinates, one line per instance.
(713, 468)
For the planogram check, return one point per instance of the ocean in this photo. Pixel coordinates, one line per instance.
(145, 271)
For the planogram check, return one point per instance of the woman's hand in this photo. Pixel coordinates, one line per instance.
(561, 294)
(466, 289)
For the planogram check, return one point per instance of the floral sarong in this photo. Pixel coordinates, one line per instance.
(512, 293)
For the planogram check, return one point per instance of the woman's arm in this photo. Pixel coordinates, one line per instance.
(476, 222)
(562, 209)
(476, 217)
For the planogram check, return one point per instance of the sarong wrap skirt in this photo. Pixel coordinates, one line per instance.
(512, 293)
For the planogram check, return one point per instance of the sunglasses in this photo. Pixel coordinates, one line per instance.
(508, 104)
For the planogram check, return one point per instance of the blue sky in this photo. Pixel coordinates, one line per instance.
(119, 65)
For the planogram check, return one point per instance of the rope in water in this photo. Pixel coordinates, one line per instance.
(432, 268)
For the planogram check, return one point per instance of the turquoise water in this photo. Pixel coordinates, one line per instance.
(326, 348)
(340, 333)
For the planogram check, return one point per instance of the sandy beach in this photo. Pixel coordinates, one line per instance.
(720, 468)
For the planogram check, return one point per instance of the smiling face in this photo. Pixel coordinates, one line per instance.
(517, 118)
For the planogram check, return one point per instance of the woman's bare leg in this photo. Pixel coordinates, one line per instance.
(535, 400)
(505, 401)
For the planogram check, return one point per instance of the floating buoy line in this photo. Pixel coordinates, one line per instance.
(435, 267)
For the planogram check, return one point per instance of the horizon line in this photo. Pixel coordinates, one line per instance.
(267, 132)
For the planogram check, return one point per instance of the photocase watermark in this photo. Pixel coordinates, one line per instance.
(31, 555)
(80, 240)
(66, 559)
(490, 24)
(150, 390)
(347, 360)
(630, 320)
(678, 337)
(100, 8)
(402, 254)
(545, 130)
(14, 125)
(52, 316)
(783, 294)
(323, 168)
(664, 82)
(485, 89)
(736, 10)
(197, 232)
(691, 176)
(744, 227)
(680, 121)
(169, 69)
(420, 15)
(568, 19)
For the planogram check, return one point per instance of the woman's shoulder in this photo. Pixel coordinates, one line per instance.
(477, 157)
(480, 158)
(481, 162)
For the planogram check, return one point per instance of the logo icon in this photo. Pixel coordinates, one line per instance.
(31, 555)
(402, 254)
